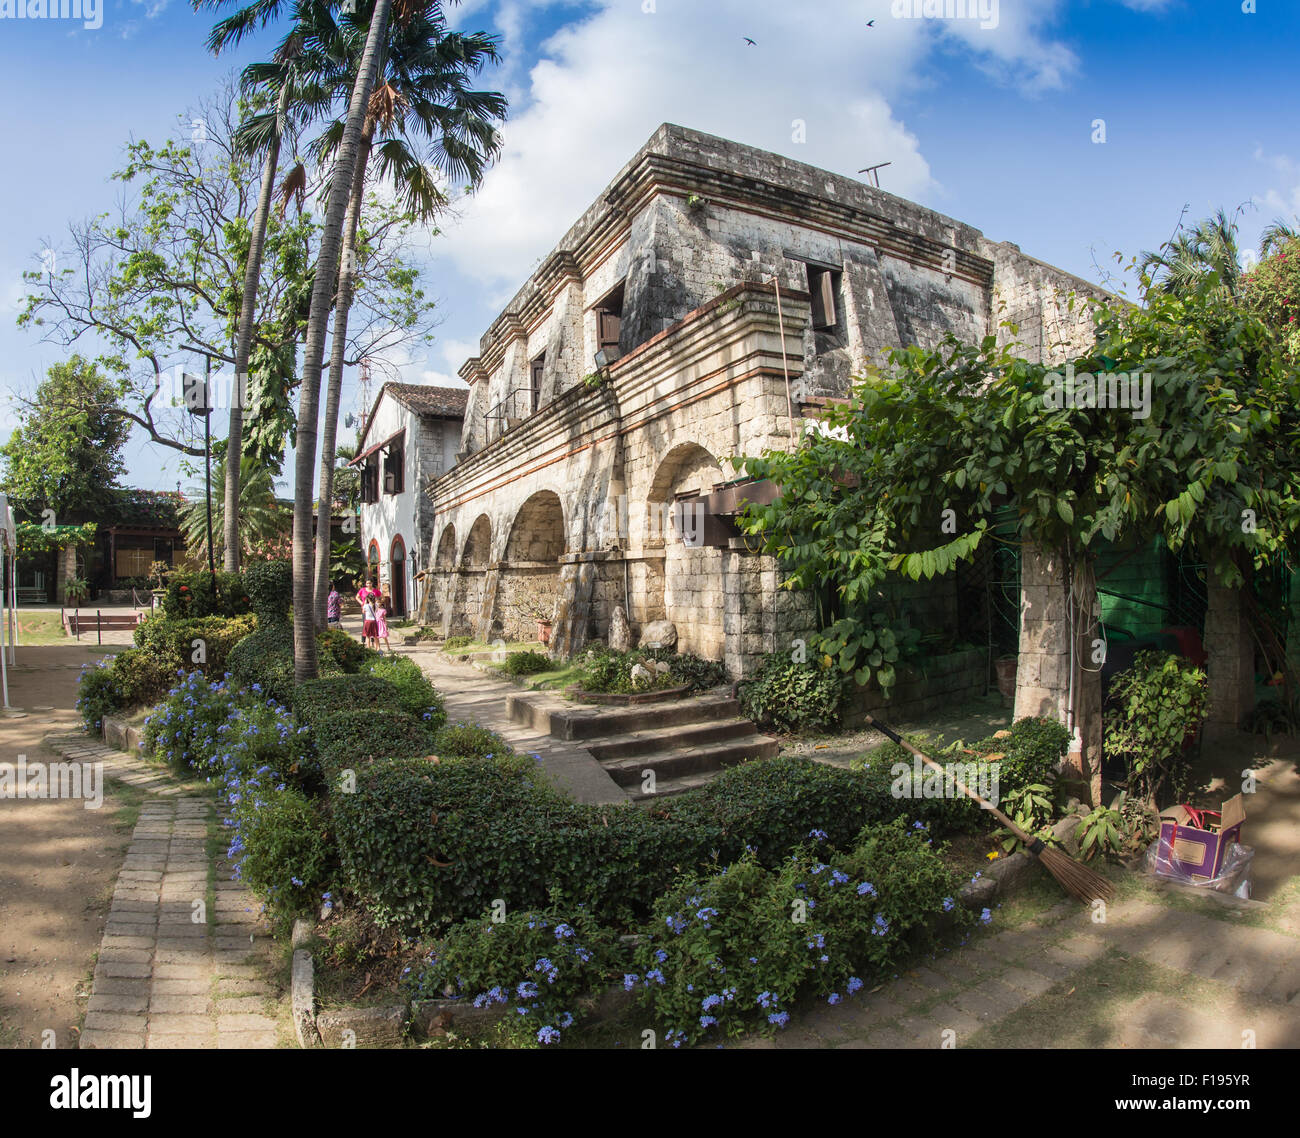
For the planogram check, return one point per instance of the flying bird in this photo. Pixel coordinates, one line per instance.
(750, 42)
(871, 23)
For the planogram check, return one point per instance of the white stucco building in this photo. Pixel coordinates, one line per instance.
(411, 435)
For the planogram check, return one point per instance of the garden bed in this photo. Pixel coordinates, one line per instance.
(628, 699)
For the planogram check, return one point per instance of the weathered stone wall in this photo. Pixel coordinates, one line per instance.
(693, 229)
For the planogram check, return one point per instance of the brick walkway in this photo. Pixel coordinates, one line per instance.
(1216, 983)
(185, 959)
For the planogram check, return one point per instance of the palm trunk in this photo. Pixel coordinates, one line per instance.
(244, 342)
(322, 296)
(338, 347)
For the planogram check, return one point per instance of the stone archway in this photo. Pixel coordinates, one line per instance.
(470, 577)
(439, 584)
(529, 581)
(690, 580)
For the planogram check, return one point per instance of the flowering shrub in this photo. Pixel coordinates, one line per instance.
(734, 949)
(186, 729)
(97, 694)
(279, 842)
(537, 962)
(176, 643)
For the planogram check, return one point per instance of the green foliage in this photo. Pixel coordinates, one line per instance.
(1031, 808)
(282, 849)
(469, 741)
(346, 651)
(185, 729)
(1030, 753)
(35, 538)
(890, 770)
(611, 672)
(349, 740)
(269, 585)
(316, 700)
(416, 695)
(263, 661)
(97, 693)
(1272, 292)
(190, 595)
(454, 642)
(736, 948)
(793, 697)
(66, 450)
(173, 642)
(541, 962)
(691, 671)
(526, 663)
(262, 519)
(1152, 710)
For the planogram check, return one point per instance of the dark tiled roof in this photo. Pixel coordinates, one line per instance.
(445, 402)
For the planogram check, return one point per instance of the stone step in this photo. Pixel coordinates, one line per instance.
(691, 735)
(562, 719)
(673, 762)
(670, 787)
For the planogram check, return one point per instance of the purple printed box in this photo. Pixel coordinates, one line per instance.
(1190, 852)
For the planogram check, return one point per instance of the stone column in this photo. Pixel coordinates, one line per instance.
(1230, 667)
(1043, 666)
(758, 616)
(65, 569)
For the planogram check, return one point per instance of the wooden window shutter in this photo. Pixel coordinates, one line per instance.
(821, 286)
(610, 327)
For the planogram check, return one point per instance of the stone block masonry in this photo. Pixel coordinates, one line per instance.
(728, 288)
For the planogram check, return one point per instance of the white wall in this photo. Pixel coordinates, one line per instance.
(394, 514)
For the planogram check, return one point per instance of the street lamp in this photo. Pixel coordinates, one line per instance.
(197, 394)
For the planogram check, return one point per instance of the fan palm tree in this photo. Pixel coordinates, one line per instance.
(1206, 256)
(423, 106)
(260, 517)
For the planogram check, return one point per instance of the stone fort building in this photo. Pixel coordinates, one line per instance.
(709, 302)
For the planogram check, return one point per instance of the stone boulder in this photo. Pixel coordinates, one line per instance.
(642, 676)
(659, 634)
(620, 632)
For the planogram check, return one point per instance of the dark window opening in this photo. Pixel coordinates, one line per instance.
(370, 480)
(609, 322)
(824, 289)
(394, 461)
(536, 369)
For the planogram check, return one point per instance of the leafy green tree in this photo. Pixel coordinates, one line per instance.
(1208, 252)
(1272, 292)
(66, 451)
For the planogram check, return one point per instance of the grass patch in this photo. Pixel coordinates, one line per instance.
(42, 627)
(126, 805)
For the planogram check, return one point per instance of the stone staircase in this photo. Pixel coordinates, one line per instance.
(682, 742)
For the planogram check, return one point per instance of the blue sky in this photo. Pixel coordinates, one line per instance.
(993, 126)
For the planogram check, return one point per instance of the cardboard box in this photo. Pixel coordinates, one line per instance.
(1191, 852)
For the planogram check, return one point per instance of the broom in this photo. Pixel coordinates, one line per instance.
(1077, 880)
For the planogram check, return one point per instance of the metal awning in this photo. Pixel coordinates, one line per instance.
(365, 454)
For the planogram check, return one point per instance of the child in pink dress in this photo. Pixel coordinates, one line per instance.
(381, 621)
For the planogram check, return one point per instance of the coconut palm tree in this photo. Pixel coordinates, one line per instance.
(1206, 256)
(423, 106)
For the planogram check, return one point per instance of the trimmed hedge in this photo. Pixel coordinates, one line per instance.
(317, 700)
(415, 694)
(269, 585)
(358, 738)
(173, 641)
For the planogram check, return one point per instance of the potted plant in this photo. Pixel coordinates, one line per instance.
(76, 591)
(534, 599)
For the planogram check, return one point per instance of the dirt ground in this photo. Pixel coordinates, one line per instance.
(58, 863)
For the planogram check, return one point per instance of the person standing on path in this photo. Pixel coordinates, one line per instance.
(369, 622)
(334, 609)
(381, 622)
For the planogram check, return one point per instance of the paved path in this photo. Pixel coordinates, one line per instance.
(1157, 973)
(185, 960)
(475, 697)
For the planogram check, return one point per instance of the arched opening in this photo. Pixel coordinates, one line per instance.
(439, 580)
(690, 581)
(373, 563)
(530, 578)
(397, 575)
(470, 577)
